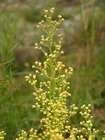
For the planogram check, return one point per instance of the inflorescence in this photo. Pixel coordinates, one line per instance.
(51, 92)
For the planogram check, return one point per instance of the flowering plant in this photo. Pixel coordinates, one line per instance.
(52, 92)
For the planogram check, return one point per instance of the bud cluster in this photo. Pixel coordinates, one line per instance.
(51, 92)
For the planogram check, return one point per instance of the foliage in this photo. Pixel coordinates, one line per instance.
(13, 108)
(87, 83)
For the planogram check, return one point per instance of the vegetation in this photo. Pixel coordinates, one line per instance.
(84, 50)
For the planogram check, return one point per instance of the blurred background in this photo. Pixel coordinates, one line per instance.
(84, 50)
